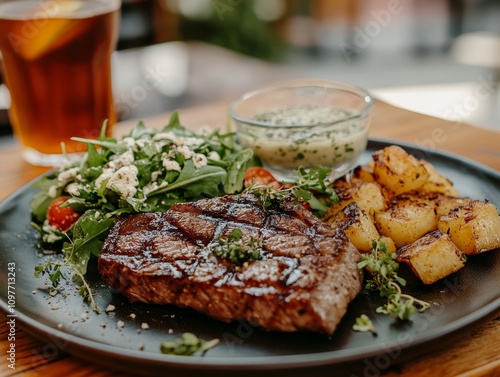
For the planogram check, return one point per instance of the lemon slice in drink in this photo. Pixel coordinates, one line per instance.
(56, 27)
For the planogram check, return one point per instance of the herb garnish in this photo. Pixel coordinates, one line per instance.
(187, 344)
(311, 186)
(364, 324)
(382, 266)
(236, 250)
(86, 237)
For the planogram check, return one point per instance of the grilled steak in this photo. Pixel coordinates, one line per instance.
(305, 279)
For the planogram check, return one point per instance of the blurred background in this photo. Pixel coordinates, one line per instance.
(439, 57)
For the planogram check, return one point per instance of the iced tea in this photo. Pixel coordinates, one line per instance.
(56, 57)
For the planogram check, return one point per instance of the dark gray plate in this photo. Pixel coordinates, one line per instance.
(459, 302)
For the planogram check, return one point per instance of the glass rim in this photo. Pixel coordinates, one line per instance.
(361, 93)
(48, 9)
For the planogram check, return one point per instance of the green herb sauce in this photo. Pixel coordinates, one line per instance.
(306, 136)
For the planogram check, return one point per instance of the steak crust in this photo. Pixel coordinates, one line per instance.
(305, 280)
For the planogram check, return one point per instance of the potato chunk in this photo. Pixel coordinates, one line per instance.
(366, 195)
(389, 243)
(363, 173)
(357, 175)
(406, 220)
(358, 227)
(397, 170)
(432, 257)
(437, 183)
(445, 203)
(474, 227)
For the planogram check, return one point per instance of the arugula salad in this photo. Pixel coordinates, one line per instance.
(145, 171)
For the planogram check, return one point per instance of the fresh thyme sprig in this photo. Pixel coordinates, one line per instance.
(54, 271)
(307, 185)
(187, 344)
(382, 266)
(236, 250)
(80, 246)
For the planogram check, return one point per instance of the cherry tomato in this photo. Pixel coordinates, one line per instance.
(61, 218)
(260, 176)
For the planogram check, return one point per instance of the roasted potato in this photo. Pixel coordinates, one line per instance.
(445, 203)
(432, 257)
(406, 220)
(415, 211)
(366, 195)
(389, 243)
(474, 227)
(358, 227)
(357, 175)
(397, 170)
(363, 173)
(437, 183)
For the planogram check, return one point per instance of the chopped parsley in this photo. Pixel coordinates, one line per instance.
(236, 250)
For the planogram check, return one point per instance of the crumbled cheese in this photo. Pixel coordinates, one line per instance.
(165, 136)
(142, 143)
(169, 164)
(66, 176)
(150, 187)
(213, 155)
(124, 159)
(188, 141)
(105, 175)
(110, 308)
(199, 160)
(144, 326)
(185, 151)
(129, 141)
(51, 238)
(155, 175)
(178, 140)
(52, 191)
(74, 189)
(120, 324)
(125, 181)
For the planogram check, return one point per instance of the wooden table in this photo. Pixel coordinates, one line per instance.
(476, 353)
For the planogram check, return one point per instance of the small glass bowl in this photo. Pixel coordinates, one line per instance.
(303, 124)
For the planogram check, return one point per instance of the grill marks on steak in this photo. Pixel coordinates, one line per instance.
(305, 281)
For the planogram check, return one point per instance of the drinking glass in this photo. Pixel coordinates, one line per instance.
(57, 67)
